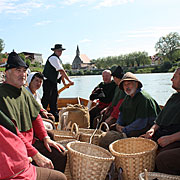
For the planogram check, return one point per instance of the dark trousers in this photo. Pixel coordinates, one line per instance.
(58, 159)
(94, 112)
(49, 174)
(168, 159)
(50, 95)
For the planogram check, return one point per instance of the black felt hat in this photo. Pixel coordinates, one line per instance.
(58, 47)
(118, 72)
(15, 61)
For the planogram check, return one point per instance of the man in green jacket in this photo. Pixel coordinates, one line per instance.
(166, 132)
(137, 112)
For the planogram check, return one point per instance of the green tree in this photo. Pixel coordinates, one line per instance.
(2, 45)
(168, 44)
(67, 66)
(28, 62)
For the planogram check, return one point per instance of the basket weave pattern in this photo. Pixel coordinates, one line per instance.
(159, 176)
(67, 170)
(88, 161)
(134, 155)
(60, 135)
(85, 134)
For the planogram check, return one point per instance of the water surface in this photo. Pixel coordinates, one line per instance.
(158, 85)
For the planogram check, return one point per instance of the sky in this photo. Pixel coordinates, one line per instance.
(100, 28)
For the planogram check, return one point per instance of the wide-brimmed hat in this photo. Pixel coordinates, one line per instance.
(129, 77)
(14, 61)
(118, 72)
(58, 47)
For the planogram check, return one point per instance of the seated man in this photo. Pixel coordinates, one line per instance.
(104, 92)
(137, 112)
(14, 160)
(34, 81)
(112, 111)
(23, 110)
(166, 130)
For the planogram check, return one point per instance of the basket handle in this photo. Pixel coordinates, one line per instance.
(145, 174)
(76, 128)
(104, 123)
(90, 140)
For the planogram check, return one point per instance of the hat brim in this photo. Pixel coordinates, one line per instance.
(129, 79)
(10, 66)
(62, 49)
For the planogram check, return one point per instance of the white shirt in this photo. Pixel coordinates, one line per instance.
(55, 62)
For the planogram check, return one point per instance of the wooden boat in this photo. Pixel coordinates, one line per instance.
(63, 102)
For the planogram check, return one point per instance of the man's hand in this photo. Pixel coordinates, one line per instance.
(71, 83)
(42, 161)
(48, 143)
(148, 134)
(164, 141)
(44, 114)
(119, 128)
(108, 120)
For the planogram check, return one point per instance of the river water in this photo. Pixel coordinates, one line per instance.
(158, 85)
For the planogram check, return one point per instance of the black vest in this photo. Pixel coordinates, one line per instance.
(49, 71)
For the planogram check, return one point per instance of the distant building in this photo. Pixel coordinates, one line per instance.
(155, 59)
(81, 61)
(34, 57)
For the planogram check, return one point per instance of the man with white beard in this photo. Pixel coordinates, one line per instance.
(137, 112)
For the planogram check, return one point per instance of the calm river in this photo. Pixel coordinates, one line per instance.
(158, 85)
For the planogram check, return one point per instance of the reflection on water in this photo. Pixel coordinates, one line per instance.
(158, 85)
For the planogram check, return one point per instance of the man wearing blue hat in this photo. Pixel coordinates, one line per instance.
(53, 73)
(20, 106)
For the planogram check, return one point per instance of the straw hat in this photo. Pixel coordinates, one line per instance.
(129, 77)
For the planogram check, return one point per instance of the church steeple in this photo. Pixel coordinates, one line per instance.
(77, 51)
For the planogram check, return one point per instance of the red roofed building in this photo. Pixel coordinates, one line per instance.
(81, 61)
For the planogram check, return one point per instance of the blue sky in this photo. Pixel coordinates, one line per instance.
(101, 28)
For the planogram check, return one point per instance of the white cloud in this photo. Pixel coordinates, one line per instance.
(71, 2)
(43, 23)
(97, 3)
(154, 32)
(17, 6)
(110, 3)
(85, 40)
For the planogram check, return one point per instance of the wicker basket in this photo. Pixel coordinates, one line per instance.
(88, 161)
(64, 135)
(91, 135)
(134, 155)
(159, 176)
(67, 169)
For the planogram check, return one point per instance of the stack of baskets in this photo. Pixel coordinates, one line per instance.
(88, 161)
(60, 135)
(134, 155)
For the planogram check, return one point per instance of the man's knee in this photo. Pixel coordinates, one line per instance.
(49, 174)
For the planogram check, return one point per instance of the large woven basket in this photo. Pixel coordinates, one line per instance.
(88, 161)
(67, 169)
(60, 135)
(85, 135)
(134, 155)
(159, 176)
